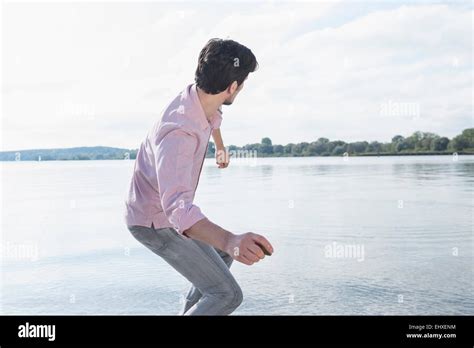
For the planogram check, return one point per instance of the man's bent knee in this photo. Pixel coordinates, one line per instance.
(232, 299)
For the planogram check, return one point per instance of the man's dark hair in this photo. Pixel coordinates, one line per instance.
(222, 62)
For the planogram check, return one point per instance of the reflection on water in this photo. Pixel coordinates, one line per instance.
(378, 235)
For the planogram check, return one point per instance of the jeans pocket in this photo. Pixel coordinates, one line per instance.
(149, 238)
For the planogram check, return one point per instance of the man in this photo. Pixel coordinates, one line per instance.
(160, 212)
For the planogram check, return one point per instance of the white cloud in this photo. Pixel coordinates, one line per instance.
(99, 74)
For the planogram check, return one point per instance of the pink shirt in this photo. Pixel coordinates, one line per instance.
(168, 166)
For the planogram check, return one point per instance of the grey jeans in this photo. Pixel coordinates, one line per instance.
(214, 291)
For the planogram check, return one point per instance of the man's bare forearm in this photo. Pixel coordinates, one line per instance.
(216, 135)
(210, 233)
(245, 248)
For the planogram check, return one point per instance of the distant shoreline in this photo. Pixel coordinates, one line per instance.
(417, 144)
(120, 158)
(447, 153)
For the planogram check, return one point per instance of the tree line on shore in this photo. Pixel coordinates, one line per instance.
(419, 143)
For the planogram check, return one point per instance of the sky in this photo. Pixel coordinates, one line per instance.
(89, 73)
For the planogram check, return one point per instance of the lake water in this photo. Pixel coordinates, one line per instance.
(388, 235)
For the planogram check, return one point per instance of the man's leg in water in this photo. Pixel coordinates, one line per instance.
(198, 262)
(194, 295)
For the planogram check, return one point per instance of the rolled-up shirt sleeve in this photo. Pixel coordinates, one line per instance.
(174, 166)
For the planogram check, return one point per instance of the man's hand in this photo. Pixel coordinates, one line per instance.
(222, 158)
(241, 247)
(245, 247)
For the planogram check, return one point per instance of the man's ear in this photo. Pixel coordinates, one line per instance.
(232, 87)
